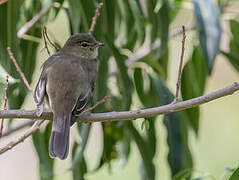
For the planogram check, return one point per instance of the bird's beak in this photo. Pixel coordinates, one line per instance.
(99, 44)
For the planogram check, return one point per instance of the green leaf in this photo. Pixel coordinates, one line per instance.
(139, 85)
(101, 88)
(11, 82)
(78, 158)
(139, 21)
(77, 16)
(184, 174)
(233, 55)
(179, 156)
(114, 133)
(207, 15)
(164, 21)
(139, 5)
(80, 168)
(127, 16)
(151, 136)
(158, 6)
(10, 18)
(41, 141)
(193, 84)
(152, 18)
(235, 175)
(109, 9)
(147, 160)
(123, 148)
(24, 51)
(124, 77)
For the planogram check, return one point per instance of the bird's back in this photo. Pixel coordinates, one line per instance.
(76, 71)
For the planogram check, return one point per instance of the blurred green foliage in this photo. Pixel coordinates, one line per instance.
(123, 25)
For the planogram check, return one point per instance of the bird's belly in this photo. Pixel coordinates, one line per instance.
(64, 88)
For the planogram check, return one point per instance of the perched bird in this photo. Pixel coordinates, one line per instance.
(68, 80)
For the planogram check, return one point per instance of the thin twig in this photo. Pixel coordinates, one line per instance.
(22, 31)
(44, 38)
(178, 85)
(96, 104)
(15, 129)
(94, 19)
(4, 105)
(18, 69)
(29, 132)
(129, 115)
(52, 44)
(146, 51)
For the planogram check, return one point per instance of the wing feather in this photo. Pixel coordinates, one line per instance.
(81, 103)
(39, 94)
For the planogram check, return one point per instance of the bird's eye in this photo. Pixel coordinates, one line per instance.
(84, 44)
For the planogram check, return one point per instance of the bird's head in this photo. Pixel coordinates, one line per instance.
(83, 45)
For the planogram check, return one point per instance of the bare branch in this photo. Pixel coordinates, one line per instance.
(5, 104)
(96, 104)
(29, 132)
(178, 85)
(13, 130)
(129, 115)
(52, 44)
(44, 34)
(18, 69)
(94, 19)
(22, 31)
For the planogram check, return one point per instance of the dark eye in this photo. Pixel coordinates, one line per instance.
(84, 44)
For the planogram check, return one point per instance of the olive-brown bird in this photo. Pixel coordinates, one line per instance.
(68, 79)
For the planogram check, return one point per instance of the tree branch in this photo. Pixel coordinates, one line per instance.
(178, 85)
(22, 31)
(129, 115)
(17, 128)
(19, 69)
(5, 104)
(29, 132)
(95, 17)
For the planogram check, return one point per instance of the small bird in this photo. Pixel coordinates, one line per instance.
(67, 79)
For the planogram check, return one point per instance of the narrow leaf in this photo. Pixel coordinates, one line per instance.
(193, 84)
(208, 20)
(179, 156)
(80, 168)
(184, 174)
(125, 79)
(233, 55)
(41, 140)
(235, 175)
(84, 130)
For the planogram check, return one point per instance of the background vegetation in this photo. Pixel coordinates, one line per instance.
(127, 28)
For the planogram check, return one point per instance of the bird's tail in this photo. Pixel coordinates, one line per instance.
(59, 143)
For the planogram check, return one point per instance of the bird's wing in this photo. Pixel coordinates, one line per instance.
(81, 103)
(40, 90)
(39, 93)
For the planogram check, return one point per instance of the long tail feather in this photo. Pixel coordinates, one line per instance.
(59, 143)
